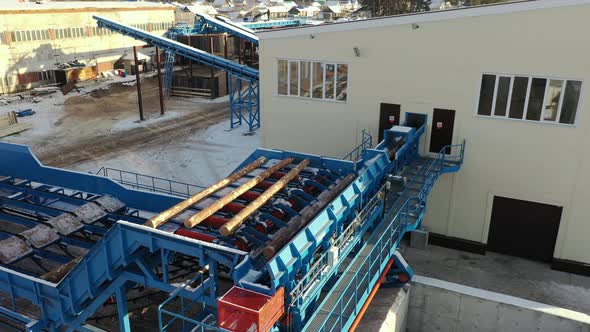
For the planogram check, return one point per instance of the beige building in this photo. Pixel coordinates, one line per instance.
(36, 38)
(508, 79)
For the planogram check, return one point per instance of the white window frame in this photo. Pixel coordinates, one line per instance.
(311, 61)
(526, 102)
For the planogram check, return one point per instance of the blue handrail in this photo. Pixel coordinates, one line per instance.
(149, 182)
(357, 152)
(387, 242)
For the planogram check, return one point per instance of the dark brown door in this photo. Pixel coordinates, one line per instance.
(389, 117)
(523, 228)
(441, 134)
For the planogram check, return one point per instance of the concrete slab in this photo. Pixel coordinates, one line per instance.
(388, 311)
(503, 274)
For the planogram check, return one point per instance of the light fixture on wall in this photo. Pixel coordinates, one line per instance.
(415, 26)
(357, 52)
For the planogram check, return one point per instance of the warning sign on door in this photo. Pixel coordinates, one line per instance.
(392, 119)
(439, 125)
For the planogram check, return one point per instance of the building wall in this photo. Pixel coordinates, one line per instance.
(440, 65)
(93, 46)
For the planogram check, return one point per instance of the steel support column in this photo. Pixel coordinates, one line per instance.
(160, 89)
(124, 323)
(139, 102)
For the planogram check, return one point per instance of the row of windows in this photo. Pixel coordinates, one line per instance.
(29, 35)
(77, 32)
(158, 26)
(141, 26)
(548, 100)
(46, 75)
(317, 80)
(96, 31)
(70, 33)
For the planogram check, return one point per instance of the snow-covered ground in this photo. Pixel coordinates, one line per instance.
(201, 159)
(49, 109)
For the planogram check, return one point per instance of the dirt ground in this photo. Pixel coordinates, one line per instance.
(105, 121)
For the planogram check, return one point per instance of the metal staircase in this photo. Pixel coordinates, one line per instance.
(168, 72)
(405, 205)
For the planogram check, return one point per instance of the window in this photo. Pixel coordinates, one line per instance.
(283, 77)
(342, 82)
(305, 80)
(517, 102)
(329, 81)
(318, 80)
(502, 96)
(486, 95)
(570, 102)
(547, 100)
(536, 99)
(315, 80)
(294, 78)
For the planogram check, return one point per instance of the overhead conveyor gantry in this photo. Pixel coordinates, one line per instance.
(243, 82)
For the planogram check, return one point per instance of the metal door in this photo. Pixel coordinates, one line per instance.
(389, 117)
(443, 122)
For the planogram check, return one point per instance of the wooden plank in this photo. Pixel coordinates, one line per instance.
(12, 117)
(15, 128)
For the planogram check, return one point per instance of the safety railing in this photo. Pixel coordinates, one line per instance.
(151, 183)
(366, 143)
(367, 272)
(177, 318)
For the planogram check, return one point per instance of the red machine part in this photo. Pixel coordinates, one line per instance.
(195, 235)
(245, 310)
(214, 221)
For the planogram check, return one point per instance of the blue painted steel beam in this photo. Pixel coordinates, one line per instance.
(227, 26)
(18, 161)
(217, 62)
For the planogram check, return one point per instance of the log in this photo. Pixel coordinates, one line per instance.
(285, 234)
(219, 204)
(232, 225)
(180, 207)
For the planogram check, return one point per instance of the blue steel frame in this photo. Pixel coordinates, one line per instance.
(244, 93)
(400, 220)
(208, 24)
(105, 270)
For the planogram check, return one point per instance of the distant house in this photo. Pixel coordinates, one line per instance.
(278, 12)
(309, 11)
(332, 10)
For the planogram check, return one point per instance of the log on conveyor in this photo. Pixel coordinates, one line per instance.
(285, 234)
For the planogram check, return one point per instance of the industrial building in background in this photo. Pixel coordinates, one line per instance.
(38, 40)
(496, 76)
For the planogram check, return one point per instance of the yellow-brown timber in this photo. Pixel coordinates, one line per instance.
(219, 204)
(230, 226)
(178, 208)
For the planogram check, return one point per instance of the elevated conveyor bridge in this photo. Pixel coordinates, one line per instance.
(243, 85)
